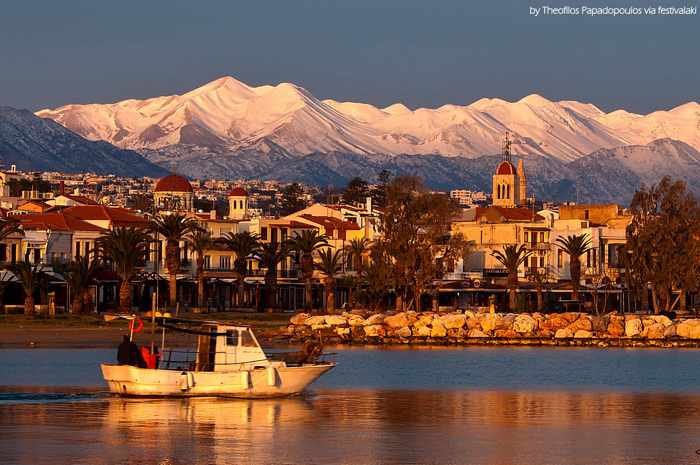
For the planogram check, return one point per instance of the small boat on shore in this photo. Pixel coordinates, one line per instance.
(227, 361)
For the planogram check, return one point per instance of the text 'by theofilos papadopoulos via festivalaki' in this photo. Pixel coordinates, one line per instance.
(651, 10)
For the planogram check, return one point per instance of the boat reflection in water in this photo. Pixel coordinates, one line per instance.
(361, 427)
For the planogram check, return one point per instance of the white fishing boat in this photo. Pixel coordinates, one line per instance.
(228, 361)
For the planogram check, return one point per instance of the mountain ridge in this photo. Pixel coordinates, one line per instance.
(227, 115)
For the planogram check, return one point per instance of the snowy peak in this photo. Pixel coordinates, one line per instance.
(227, 115)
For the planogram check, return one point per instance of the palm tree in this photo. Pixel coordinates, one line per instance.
(511, 258)
(200, 241)
(356, 250)
(125, 248)
(174, 228)
(575, 246)
(245, 245)
(305, 244)
(330, 264)
(540, 278)
(81, 272)
(269, 256)
(29, 276)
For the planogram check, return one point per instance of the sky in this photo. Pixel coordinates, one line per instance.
(421, 53)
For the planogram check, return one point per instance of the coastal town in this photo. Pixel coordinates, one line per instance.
(215, 246)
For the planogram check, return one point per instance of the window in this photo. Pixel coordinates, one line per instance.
(247, 339)
(595, 258)
(586, 214)
(541, 262)
(3, 252)
(527, 236)
(263, 233)
(207, 261)
(225, 262)
(77, 249)
(542, 236)
(273, 237)
(232, 338)
(560, 258)
(533, 262)
(588, 259)
(283, 232)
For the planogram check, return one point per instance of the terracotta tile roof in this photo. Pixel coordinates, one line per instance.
(329, 222)
(505, 167)
(57, 222)
(237, 192)
(116, 215)
(504, 214)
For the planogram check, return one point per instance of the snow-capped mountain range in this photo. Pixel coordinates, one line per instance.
(228, 116)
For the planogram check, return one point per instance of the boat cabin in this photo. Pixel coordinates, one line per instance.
(219, 348)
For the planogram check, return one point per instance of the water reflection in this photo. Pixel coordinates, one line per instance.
(361, 427)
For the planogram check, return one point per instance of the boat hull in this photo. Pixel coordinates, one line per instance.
(266, 382)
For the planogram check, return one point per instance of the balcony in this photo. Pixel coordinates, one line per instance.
(537, 245)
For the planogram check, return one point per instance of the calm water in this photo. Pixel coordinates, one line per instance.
(407, 406)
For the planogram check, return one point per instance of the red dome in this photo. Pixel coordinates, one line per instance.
(505, 167)
(238, 192)
(173, 183)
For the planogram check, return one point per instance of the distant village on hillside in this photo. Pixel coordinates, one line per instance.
(58, 218)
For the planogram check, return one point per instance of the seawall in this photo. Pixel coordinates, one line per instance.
(493, 329)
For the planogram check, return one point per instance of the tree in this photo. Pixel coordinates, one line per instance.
(379, 192)
(269, 256)
(80, 274)
(125, 248)
(356, 191)
(200, 241)
(305, 244)
(511, 258)
(245, 245)
(29, 275)
(356, 251)
(414, 226)
(292, 199)
(330, 264)
(376, 279)
(174, 228)
(575, 246)
(663, 242)
(540, 277)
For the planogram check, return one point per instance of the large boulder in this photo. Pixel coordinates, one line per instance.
(583, 334)
(336, 320)
(469, 314)
(507, 333)
(670, 331)
(555, 322)
(403, 332)
(356, 320)
(320, 327)
(477, 333)
(375, 330)
(376, 319)
(655, 331)
(315, 320)
(563, 333)
(524, 324)
(490, 322)
(399, 320)
(633, 327)
(583, 322)
(422, 331)
(616, 328)
(342, 331)
(663, 319)
(689, 329)
(438, 329)
(423, 319)
(473, 323)
(299, 318)
(453, 320)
